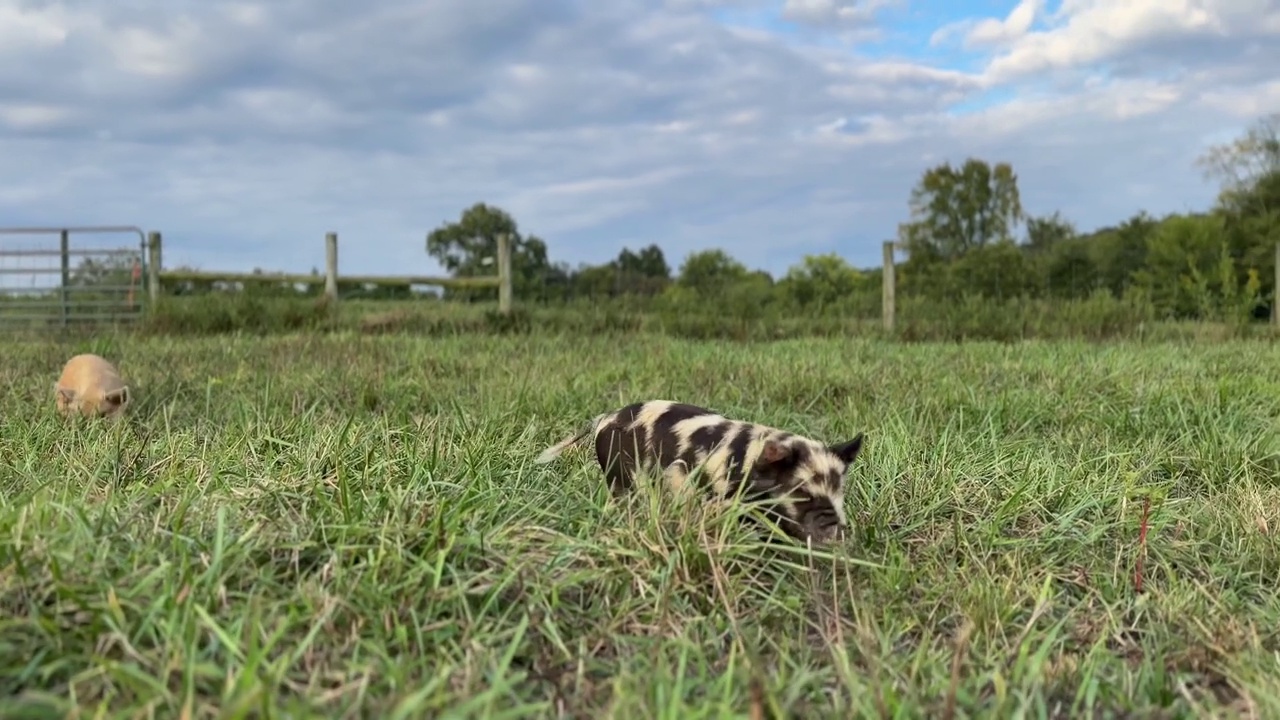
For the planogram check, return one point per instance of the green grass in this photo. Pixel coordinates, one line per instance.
(349, 525)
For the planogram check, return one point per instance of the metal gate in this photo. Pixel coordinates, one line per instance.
(45, 281)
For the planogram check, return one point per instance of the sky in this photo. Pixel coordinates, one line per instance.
(245, 130)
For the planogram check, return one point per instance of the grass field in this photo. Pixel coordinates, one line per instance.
(348, 526)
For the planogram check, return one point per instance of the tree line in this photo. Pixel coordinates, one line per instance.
(967, 236)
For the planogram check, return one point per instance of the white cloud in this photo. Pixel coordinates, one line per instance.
(1091, 31)
(833, 12)
(1245, 103)
(996, 32)
(24, 28)
(245, 130)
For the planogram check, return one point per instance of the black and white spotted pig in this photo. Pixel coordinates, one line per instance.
(803, 478)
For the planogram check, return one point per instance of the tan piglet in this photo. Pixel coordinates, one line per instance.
(91, 386)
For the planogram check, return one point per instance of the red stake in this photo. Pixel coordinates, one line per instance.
(1142, 545)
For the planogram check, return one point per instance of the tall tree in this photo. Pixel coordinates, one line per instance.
(642, 273)
(1244, 162)
(1048, 231)
(648, 262)
(1249, 171)
(954, 210)
(469, 248)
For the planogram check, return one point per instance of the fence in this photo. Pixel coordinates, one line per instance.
(103, 286)
(156, 275)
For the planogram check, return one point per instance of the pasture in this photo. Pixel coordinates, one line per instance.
(348, 526)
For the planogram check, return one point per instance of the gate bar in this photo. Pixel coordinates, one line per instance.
(142, 237)
(110, 252)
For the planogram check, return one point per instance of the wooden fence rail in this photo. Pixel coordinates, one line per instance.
(331, 278)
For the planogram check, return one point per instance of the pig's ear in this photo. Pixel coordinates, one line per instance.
(65, 395)
(848, 451)
(776, 453)
(119, 396)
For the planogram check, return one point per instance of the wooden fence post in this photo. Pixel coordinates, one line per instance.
(331, 266)
(890, 281)
(504, 274)
(65, 246)
(153, 266)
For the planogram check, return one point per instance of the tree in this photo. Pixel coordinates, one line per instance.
(109, 278)
(998, 271)
(954, 210)
(554, 283)
(115, 271)
(643, 273)
(649, 262)
(1249, 198)
(1179, 271)
(469, 248)
(712, 283)
(595, 281)
(1070, 272)
(1047, 232)
(710, 272)
(1120, 252)
(822, 281)
(1242, 163)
